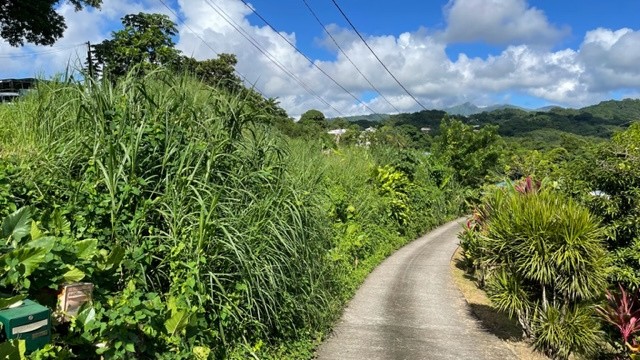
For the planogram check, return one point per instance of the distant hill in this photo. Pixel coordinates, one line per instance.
(549, 108)
(625, 110)
(468, 109)
(601, 120)
(370, 117)
(595, 121)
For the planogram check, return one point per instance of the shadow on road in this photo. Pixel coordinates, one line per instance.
(496, 322)
(491, 320)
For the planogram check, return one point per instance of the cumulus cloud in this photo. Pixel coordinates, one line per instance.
(612, 58)
(603, 64)
(500, 22)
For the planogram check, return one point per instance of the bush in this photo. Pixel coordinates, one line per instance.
(544, 261)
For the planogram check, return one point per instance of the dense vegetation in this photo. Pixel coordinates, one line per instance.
(214, 226)
(548, 253)
(206, 232)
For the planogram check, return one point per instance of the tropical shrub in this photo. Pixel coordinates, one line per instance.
(544, 262)
(474, 154)
(622, 312)
(607, 180)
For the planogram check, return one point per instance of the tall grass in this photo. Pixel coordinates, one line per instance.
(261, 240)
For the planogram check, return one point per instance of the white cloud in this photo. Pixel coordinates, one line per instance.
(501, 22)
(69, 52)
(612, 58)
(604, 63)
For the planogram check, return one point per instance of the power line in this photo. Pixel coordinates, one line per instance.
(269, 57)
(347, 56)
(203, 41)
(306, 57)
(241, 75)
(376, 56)
(45, 52)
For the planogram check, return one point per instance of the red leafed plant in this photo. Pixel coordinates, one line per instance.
(623, 312)
(528, 186)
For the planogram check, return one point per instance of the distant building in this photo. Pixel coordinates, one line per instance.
(12, 88)
(425, 129)
(337, 132)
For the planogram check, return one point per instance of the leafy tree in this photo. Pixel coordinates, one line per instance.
(219, 72)
(472, 152)
(146, 40)
(35, 21)
(607, 179)
(314, 116)
(392, 136)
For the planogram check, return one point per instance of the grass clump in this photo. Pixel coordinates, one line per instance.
(237, 242)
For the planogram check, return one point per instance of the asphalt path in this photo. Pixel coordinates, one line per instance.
(409, 308)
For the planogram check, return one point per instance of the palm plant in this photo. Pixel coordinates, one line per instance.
(546, 263)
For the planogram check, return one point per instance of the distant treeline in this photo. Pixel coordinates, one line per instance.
(597, 121)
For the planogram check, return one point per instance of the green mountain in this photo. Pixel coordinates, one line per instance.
(468, 109)
(625, 110)
(370, 117)
(601, 120)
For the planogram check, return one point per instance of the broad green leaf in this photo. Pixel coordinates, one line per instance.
(172, 305)
(86, 315)
(201, 352)
(35, 231)
(114, 258)
(73, 275)
(178, 321)
(17, 225)
(6, 302)
(13, 350)
(87, 248)
(47, 243)
(59, 223)
(29, 257)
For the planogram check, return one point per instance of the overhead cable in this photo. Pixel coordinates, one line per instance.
(306, 57)
(238, 28)
(201, 39)
(44, 52)
(347, 56)
(375, 55)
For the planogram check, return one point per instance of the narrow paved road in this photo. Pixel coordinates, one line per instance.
(409, 308)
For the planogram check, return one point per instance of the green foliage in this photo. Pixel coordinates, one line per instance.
(544, 261)
(473, 153)
(566, 331)
(145, 41)
(207, 235)
(394, 186)
(13, 350)
(219, 72)
(606, 179)
(38, 23)
(313, 116)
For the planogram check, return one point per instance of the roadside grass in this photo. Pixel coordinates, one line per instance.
(491, 320)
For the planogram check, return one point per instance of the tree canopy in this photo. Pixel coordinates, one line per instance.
(35, 21)
(146, 39)
(313, 115)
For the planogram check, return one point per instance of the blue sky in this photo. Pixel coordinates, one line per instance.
(529, 53)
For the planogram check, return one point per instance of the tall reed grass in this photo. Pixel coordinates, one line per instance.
(261, 239)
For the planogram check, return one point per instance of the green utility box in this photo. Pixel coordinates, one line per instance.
(30, 322)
